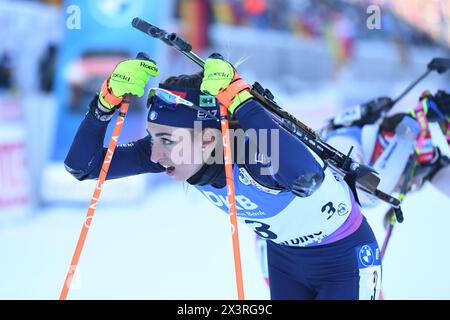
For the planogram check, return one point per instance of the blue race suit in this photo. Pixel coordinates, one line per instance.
(319, 244)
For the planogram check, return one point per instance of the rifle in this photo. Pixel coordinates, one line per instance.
(371, 111)
(357, 175)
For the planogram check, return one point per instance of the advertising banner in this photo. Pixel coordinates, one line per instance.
(97, 36)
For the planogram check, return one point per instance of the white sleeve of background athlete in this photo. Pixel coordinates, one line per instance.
(391, 164)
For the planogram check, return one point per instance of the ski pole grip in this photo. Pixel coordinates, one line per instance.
(441, 65)
(216, 55)
(142, 56)
(398, 214)
(179, 43)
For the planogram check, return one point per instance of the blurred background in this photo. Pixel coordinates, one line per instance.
(150, 237)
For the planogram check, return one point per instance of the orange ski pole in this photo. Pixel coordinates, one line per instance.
(228, 159)
(95, 197)
(185, 48)
(98, 189)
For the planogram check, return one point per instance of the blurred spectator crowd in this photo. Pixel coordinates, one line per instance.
(315, 18)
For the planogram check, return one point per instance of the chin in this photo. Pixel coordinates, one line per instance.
(181, 176)
(184, 172)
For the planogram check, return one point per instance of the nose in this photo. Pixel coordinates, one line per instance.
(157, 153)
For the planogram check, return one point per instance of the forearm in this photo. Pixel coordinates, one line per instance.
(86, 151)
(86, 155)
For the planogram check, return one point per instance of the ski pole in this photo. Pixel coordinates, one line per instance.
(228, 159)
(403, 190)
(97, 191)
(419, 113)
(184, 47)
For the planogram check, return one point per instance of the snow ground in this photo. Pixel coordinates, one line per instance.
(175, 245)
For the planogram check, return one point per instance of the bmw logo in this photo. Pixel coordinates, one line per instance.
(366, 256)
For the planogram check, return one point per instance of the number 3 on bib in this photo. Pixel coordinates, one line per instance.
(262, 230)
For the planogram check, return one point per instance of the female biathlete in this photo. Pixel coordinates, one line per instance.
(320, 246)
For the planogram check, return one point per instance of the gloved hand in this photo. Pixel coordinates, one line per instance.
(128, 77)
(221, 80)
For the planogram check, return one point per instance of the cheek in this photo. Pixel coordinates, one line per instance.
(191, 152)
(190, 145)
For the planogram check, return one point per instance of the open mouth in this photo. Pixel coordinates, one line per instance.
(170, 171)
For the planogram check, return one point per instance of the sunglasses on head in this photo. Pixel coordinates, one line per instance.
(162, 98)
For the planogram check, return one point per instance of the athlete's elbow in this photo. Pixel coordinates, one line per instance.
(306, 184)
(78, 174)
